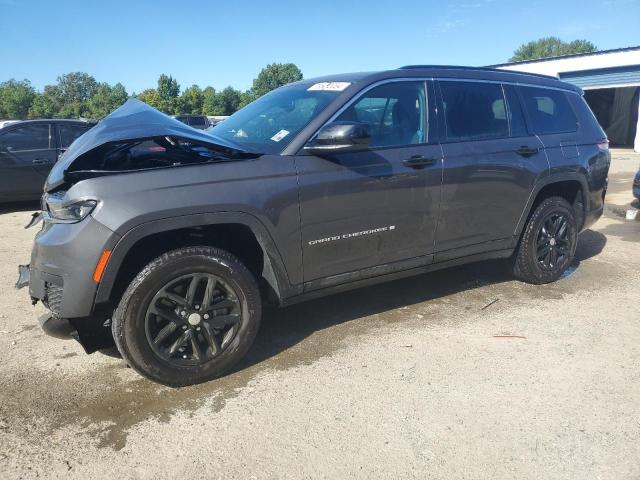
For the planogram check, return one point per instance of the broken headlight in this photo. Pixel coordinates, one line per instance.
(59, 211)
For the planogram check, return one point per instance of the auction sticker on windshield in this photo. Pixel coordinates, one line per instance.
(280, 135)
(331, 86)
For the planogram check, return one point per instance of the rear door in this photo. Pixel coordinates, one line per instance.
(491, 163)
(552, 118)
(27, 153)
(373, 208)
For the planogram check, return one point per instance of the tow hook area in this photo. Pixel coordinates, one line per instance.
(56, 327)
(23, 276)
(91, 333)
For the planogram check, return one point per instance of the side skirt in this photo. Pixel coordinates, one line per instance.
(385, 273)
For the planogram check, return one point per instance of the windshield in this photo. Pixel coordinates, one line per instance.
(271, 122)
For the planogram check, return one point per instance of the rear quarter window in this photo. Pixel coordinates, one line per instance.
(549, 110)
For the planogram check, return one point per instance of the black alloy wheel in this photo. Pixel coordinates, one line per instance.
(188, 317)
(193, 318)
(548, 242)
(553, 245)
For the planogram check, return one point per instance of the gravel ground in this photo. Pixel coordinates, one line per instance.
(463, 373)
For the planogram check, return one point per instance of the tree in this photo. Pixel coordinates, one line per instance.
(150, 97)
(208, 101)
(46, 104)
(551, 47)
(273, 76)
(168, 91)
(16, 98)
(226, 102)
(106, 99)
(191, 101)
(76, 89)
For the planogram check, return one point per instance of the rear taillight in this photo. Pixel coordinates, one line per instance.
(603, 145)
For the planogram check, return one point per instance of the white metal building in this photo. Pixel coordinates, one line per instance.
(611, 82)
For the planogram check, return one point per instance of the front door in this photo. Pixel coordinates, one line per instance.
(377, 207)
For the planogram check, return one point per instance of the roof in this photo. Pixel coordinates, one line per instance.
(49, 120)
(573, 55)
(445, 71)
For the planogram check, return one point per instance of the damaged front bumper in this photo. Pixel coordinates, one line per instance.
(60, 275)
(93, 333)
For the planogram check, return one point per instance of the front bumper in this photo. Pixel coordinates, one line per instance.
(63, 260)
(60, 275)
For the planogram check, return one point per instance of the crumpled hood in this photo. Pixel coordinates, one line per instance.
(133, 120)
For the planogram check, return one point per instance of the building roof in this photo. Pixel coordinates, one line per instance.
(574, 55)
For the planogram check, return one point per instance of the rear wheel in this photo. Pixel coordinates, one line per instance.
(548, 243)
(188, 317)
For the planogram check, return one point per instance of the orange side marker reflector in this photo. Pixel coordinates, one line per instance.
(102, 264)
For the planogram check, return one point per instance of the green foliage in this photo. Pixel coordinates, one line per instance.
(208, 101)
(273, 76)
(15, 98)
(226, 102)
(78, 94)
(551, 47)
(76, 89)
(191, 100)
(106, 99)
(150, 97)
(46, 104)
(168, 91)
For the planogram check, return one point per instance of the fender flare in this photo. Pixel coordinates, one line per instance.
(546, 181)
(274, 270)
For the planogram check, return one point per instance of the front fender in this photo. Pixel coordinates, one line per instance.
(274, 269)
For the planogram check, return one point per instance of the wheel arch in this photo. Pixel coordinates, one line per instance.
(272, 270)
(569, 185)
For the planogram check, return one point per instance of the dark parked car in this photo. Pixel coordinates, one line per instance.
(636, 186)
(169, 241)
(28, 150)
(200, 122)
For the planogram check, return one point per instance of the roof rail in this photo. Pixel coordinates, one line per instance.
(480, 69)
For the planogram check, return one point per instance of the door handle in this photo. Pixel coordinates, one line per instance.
(39, 161)
(525, 151)
(418, 161)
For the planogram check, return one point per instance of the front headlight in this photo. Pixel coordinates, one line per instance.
(68, 212)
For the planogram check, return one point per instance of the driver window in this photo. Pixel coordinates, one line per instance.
(395, 113)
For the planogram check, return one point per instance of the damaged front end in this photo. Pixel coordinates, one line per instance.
(72, 243)
(138, 137)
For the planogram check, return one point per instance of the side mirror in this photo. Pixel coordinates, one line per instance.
(339, 137)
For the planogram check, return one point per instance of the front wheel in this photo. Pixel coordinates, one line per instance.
(548, 243)
(188, 317)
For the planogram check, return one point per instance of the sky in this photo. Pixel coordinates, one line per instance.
(221, 43)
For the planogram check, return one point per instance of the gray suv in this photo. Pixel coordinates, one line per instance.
(168, 240)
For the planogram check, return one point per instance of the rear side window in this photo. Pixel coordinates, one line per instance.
(549, 110)
(474, 111)
(29, 137)
(68, 133)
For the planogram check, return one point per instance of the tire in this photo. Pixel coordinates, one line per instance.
(533, 261)
(158, 318)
